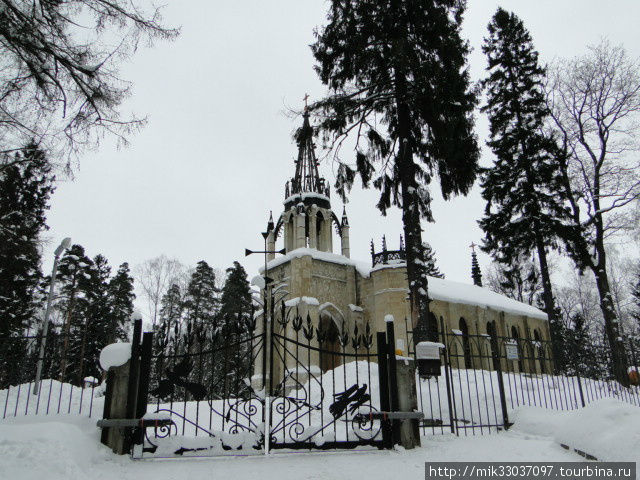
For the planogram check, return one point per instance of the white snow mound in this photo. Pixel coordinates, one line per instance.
(115, 355)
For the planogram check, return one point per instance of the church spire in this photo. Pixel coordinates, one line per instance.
(476, 273)
(306, 179)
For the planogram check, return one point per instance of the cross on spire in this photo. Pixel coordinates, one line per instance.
(305, 98)
(473, 247)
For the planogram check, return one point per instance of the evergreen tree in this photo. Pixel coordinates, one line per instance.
(430, 261)
(121, 299)
(168, 329)
(25, 187)
(94, 318)
(525, 209)
(396, 71)
(74, 273)
(519, 280)
(234, 316)
(476, 273)
(201, 307)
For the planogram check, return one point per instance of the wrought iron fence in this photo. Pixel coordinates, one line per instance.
(485, 377)
(69, 384)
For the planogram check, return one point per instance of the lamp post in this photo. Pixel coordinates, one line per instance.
(64, 245)
(267, 326)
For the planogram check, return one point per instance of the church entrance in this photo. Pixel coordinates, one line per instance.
(330, 356)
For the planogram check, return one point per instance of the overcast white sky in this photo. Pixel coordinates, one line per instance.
(199, 181)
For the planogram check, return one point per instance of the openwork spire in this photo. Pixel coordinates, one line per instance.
(307, 179)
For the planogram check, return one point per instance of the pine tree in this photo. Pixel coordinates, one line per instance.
(25, 188)
(397, 76)
(74, 273)
(525, 209)
(94, 319)
(168, 329)
(519, 280)
(201, 307)
(121, 299)
(430, 261)
(476, 273)
(234, 316)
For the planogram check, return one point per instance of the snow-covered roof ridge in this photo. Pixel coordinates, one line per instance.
(458, 292)
(362, 267)
(439, 289)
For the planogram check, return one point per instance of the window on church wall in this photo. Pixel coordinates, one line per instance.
(319, 229)
(433, 328)
(289, 234)
(330, 349)
(466, 344)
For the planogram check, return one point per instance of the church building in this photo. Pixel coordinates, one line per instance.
(337, 292)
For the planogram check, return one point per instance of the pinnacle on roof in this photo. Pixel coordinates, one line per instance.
(306, 179)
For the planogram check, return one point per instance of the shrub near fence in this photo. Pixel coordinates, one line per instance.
(70, 392)
(468, 399)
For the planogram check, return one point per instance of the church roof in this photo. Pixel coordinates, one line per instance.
(439, 289)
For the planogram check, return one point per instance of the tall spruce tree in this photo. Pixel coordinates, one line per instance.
(121, 299)
(74, 272)
(525, 209)
(167, 330)
(94, 319)
(234, 315)
(201, 305)
(396, 72)
(25, 188)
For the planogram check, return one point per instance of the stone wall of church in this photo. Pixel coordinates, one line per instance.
(349, 300)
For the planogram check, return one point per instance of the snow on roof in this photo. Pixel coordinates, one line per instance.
(362, 267)
(303, 196)
(439, 289)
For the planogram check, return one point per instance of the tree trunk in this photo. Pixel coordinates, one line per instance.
(416, 272)
(67, 332)
(611, 323)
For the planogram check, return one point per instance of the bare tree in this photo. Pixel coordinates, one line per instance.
(59, 78)
(595, 104)
(155, 276)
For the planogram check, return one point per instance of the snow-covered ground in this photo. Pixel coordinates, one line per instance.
(67, 447)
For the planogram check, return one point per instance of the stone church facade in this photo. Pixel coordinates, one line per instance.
(340, 293)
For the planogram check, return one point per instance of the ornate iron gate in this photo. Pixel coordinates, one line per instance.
(245, 391)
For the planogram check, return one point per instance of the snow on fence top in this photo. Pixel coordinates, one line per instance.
(115, 355)
(439, 289)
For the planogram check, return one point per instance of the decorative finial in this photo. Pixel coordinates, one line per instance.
(373, 251)
(305, 98)
(384, 243)
(270, 225)
(401, 242)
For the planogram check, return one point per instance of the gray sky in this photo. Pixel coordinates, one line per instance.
(199, 181)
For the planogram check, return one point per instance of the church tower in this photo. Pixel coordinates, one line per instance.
(307, 219)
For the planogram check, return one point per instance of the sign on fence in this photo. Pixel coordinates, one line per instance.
(512, 351)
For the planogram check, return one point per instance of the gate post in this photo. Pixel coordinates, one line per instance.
(407, 402)
(393, 379)
(503, 399)
(127, 392)
(383, 379)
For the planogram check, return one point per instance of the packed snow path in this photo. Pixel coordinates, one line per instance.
(68, 448)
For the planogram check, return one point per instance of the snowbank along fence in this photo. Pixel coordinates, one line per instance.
(70, 383)
(484, 377)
